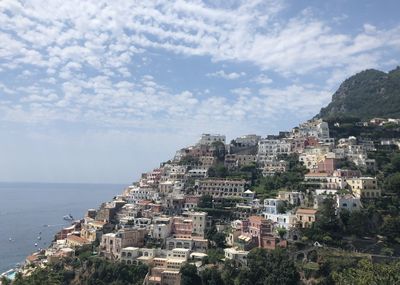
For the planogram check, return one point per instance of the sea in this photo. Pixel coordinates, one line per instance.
(32, 213)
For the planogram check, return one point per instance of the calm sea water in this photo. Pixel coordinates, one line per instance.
(29, 210)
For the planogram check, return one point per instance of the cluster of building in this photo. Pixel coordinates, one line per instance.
(157, 220)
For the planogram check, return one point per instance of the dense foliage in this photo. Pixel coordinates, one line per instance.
(264, 267)
(368, 273)
(360, 94)
(267, 187)
(90, 271)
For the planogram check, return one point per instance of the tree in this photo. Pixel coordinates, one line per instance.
(205, 201)
(229, 272)
(282, 207)
(368, 273)
(268, 268)
(391, 228)
(219, 240)
(211, 276)
(189, 275)
(281, 232)
(395, 162)
(393, 183)
(218, 149)
(326, 219)
(357, 223)
(218, 170)
(5, 281)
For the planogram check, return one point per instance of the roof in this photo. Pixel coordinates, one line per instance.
(130, 248)
(256, 218)
(144, 257)
(244, 238)
(180, 249)
(198, 254)
(144, 202)
(32, 258)
(77, 239)
(321, 174)
(98, 223)
(306, 211)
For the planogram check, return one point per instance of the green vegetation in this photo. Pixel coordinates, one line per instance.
(268, 187)
(206, 201)
(264, 267)
(92, 271)
(189, 275)
(368, 273)
(189, 160)
(217, 239)
(270, 267)
(359, 95)
(248, 172)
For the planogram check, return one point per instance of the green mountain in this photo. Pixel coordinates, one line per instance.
(368, 94)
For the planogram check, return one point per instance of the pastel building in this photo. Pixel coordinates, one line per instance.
(305, 217)
(348, 202)
(220, 188)
(209, 139)
(364, 187)
(112, 243)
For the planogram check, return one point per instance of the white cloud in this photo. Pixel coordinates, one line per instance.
(242, 91)
(262, 79)
(103, 34)
(225, 75)
(87, 54)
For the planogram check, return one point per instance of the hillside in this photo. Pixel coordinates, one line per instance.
(370, 93)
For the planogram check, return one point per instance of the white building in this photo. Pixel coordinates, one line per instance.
(294, 198)
(198, 173)
(209, 139)
(274, 166)
(137, 193)
(285, 220)
(238, 256)
(179, 253)
(348, 202)
(274, 147)
(313, 128)
(199, 222)
(220, 188)
(129, 255)
(271, 206)
(161, 227)
(247, 140)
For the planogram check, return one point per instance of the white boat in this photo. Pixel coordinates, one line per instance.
(36, 244)
(68, 217)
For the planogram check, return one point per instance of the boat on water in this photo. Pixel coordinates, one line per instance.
(68, 217)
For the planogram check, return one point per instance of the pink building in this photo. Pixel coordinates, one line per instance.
(182, 227)
(327, 165)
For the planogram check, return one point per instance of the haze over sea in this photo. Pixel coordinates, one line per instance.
(26, 207)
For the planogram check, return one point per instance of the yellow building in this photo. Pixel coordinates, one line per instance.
(364, 187)
(305, 217)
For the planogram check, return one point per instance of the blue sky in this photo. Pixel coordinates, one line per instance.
(100, 91)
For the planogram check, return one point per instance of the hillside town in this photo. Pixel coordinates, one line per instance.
(218, 200)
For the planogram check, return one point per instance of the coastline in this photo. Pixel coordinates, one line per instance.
(27, 207)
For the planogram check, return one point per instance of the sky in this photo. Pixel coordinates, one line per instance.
(101, 91)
